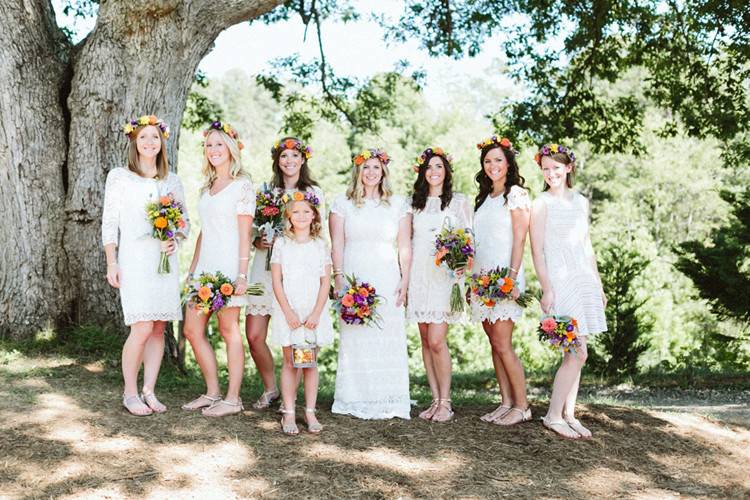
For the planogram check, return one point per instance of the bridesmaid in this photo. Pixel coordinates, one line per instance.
(149, 299)
(434, 204)
(501, 221)
(571, 286)
(226, 207)
(291, 172)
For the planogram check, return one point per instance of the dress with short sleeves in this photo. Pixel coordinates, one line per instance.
(372, 378)
(430, 285)
(302, 266)
(263, 304)
(493, 232)
(220, 233)
(145, 295)
(568, 255)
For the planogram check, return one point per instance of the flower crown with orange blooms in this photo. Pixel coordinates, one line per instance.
(503, 142)
(371, 153)
(308, 196)
(227, 129)
(279, 146)
(553, 149)
(428, 153)
(144, 120)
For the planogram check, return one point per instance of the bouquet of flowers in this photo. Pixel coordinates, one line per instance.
(269, 215)
(211, 291)
(166, 217)
(560, 331)
(454, 250)
(357, 304)
(494, 285)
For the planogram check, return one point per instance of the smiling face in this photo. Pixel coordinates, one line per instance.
(290, 162)
(372, 173)
(148, 141)
(216, 149)
(435, 172)
(555, 172)
(495, 165)
(301, 214)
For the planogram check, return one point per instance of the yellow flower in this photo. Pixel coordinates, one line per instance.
(366, 155)
(285, 198)
(276, 144)
(143, 120)
(128, 128)
(226, 128)
(553, 148)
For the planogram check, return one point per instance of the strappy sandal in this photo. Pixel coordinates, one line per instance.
(448, 405)
(265, 399)
(495, 414)
(289, 429)
(578, 427)
(202, 401)
(314, 428)
(430, 411)
(223, 408)
(150, 399)
(525, 417)
(142, 411)
(561, 428)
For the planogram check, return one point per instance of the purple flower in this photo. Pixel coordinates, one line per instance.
(170, 234)
(569, 328)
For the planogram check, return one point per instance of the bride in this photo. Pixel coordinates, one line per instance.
(370, 235)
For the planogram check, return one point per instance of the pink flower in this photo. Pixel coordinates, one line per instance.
(549, 325)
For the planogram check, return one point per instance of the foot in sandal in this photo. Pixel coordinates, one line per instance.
(313, 426)
(265, 399)
(149, 398)
(514, 416)
(561, 428)
(578, 427)
(202, 401)
(430, 411)
(496, 414)
(223, 408)
(135, 406)
(289, 423)
(444, 411)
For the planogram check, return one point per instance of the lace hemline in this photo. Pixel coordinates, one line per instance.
(435, 317)
(258, 310)
(138, 317)
(500, 312)
(373, 411)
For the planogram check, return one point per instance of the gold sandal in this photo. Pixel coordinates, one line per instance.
(448, 405)
(561, 428)
(197, 404)
(495, 414)
(215, 410)
(314, 428)
(430, 411)
(289, 429)
(150, 399)
(525, 417)
(143, 411)
(265, 399)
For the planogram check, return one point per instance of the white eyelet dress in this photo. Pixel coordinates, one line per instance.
(568, 255)
(372, 377)
(262, 305)
(220, 233)
(145, 294)
(430, 285)
(493, 230)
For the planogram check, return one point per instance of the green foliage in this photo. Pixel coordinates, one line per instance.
(199, 109)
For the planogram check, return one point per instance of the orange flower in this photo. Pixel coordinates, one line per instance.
(226, 289)
(507, 285)
(290, 144)
(165, 200)
(152, 119)
(359, 160)
(160, 223)
(437, 261)
(347, 300)
(204, 293)
(489, 303)
(441, 253)
(575, 323)
(298, 196)
(504, 142)
(365, 310)
(363, 292)
(484, 280)
(570, 336)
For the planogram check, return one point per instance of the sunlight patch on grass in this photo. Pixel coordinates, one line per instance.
(603, 481)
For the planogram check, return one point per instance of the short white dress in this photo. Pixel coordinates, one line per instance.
(145, 294)
(220, 240)
(372, 377)
(568, 255)
(430, 285)
(262, 305)
(493, 231)
(302, 266)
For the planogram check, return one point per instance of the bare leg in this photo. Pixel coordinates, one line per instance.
(429, 370)
(501, 340)
(256, 331)
(289, 383)
(506, 394)
(441, 362)
(195, 333)
(570, 403)
(132, 357)
(311, 398)
(229, 327)
(152, 356)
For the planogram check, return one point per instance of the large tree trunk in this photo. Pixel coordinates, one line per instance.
(140, 59)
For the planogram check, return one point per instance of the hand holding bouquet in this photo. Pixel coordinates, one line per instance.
(357, 304)
(166, 217)
(489, 287)
(211, 291)
(269, 215)
(560, 332)
(454, 251)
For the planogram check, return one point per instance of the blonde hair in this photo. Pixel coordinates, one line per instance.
(235, 167)
(315, 228)
(356, 189)
(162, 165)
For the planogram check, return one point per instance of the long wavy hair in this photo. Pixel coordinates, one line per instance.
(315, 228)
(235, 167)
(566, 160)
(512, 178)
(134, 164)
(421, 189)
(356, 189)
(305, 181)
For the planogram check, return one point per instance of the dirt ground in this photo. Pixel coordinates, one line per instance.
(63, 434)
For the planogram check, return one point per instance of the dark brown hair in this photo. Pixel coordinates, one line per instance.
(305, 181)
(512, 178)
(421, 187)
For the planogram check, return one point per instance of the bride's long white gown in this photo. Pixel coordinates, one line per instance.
(372, 378)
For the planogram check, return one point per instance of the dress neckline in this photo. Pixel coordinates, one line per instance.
(220, 190)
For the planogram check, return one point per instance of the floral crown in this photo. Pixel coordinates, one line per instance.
(133, 124)
(279, 146)
(227, 129)
(371, 153)
(427, 153)
(307, 196)
(503, 142)
(553, 149)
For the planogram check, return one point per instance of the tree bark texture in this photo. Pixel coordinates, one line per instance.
(63, 108)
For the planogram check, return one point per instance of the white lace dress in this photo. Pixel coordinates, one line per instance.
(493, 231)
(145, 294)
(302, 266)
(372, 378)
(263, 304)
(220, 233)
(429, 285)
(568, 255)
